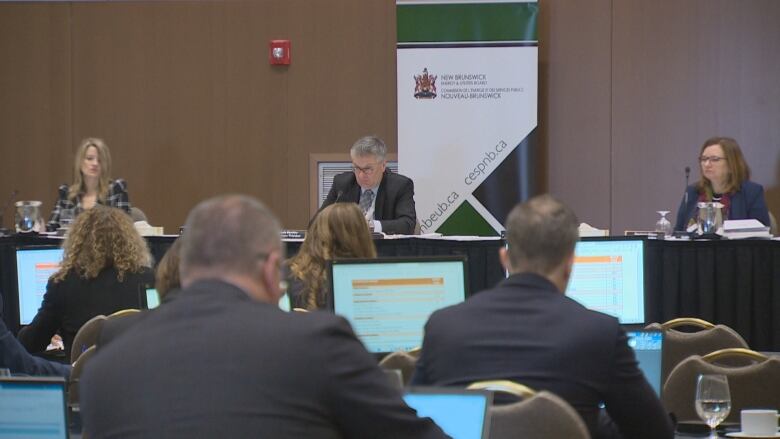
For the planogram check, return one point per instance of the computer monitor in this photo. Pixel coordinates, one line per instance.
(648, 348)
(148, 297)
(33, 407)
(34, 266)
(462, 414)
(609, 277)
(388, 300)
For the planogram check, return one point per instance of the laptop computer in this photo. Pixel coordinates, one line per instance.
(462, 414)
(388, 300)
(148, 298)
(648, 348)
(33, 407)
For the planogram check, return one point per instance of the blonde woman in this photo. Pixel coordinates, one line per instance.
(105, 261)
(93, 184)
(338, 231)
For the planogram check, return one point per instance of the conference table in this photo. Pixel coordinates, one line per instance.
(736, 283)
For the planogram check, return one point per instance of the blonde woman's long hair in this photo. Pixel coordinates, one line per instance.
(339, 231)
(104, 157)
(103, 237)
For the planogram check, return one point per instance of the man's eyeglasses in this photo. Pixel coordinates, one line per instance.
(368, 170)
(712, 159)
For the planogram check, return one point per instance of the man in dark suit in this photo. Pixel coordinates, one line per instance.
(386, 199)
(222, 360)
(526, 330)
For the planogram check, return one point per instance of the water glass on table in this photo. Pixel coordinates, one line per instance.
(713, 400)
(66, 217)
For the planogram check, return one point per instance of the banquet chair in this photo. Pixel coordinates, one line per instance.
(137, 214)
(75, 376)
(753, 386)
(679, 345)
(86, 336)
(538, 415)
(403, 361)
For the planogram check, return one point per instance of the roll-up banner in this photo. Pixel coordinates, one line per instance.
(467, 110)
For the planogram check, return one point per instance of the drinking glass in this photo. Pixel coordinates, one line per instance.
(66, 217)
(663, 225)
(713, 401)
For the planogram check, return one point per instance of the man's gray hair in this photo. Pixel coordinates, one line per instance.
(541, 234)
(369, 145)
(229, 233)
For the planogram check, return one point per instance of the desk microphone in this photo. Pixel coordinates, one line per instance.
(687, 176)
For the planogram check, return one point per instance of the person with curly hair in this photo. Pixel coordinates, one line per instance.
(338, 231)
(92, 186)
(104, 262)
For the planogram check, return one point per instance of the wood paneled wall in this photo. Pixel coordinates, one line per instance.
(185, 97)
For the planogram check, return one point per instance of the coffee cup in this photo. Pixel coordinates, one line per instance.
(759, 422)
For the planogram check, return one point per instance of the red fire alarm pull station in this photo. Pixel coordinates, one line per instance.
(279, 52)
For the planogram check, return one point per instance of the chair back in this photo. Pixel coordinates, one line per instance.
(520, 391)
(137, 214)
(123, 313)
(680, 345)
(753, 386)
(75, 376)
(543, 415)
(86, 336)
(403, 361)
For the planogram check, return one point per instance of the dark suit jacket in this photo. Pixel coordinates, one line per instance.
(748, 202)
(525, 330)
(214, 363)
(394, 206)
(68, 304)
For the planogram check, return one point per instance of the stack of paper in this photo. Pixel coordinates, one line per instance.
(588, 231)
(748, 228)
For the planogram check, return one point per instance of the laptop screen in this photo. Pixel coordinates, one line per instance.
(34, 266)
(32, 407)
(608, 276)
(462, 414)
(648, 348)
(387, 301)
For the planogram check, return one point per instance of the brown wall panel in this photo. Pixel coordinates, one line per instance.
(574, 107)
(35, 99)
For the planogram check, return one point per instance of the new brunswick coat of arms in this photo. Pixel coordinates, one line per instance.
(425, 85)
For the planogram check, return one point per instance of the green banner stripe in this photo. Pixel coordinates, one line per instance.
(467, 22)
(466, 221)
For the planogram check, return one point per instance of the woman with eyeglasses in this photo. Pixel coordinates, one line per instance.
(93, 185)
(725, 179)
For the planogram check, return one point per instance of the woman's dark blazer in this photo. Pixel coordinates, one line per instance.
(746, 203)
(68, 304)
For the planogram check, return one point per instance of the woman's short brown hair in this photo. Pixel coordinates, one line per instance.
(103, 237)
(739, 171)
